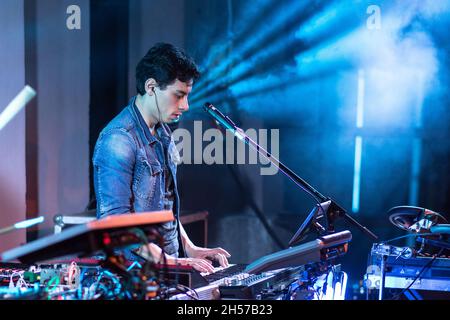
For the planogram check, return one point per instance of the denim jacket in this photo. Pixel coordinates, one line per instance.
(128, 170)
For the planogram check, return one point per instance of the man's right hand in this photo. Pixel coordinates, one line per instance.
(153, 252)
(201, 265)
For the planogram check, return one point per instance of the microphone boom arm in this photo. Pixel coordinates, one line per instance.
(335, 209)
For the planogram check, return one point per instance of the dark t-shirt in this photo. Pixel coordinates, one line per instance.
(168, 230)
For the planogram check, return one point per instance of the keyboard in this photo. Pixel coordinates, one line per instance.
(221, 272)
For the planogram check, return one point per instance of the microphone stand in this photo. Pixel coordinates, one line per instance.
(334, 209)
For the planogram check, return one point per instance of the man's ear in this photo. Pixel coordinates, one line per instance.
(150, 85)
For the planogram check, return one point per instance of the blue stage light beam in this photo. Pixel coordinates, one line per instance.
(279, 45)
(252, 14)
(282, 20)
(381, 53)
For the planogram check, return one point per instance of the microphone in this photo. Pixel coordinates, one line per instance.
(220, 117)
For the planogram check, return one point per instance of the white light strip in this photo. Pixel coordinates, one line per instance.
(357, 174)
(17, 104)
(358, 142)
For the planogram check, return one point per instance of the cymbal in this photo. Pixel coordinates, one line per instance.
(414, 219)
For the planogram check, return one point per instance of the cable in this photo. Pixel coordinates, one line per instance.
(187, 291)
(72, 272)
(80, 285)
(54, 281)
(407, 236)
(19, 283)
(96, 285)
(135, 263)
(157, 107)
(117, 285)
(428, 265)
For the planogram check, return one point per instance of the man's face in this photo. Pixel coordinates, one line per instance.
(173, 101)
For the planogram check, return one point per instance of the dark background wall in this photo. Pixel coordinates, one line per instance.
(62, 74)
(109, 51)
(151, 22)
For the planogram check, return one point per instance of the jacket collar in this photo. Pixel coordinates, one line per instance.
(162, 129)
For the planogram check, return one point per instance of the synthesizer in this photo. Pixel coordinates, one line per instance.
(404, 269)
(189, 277)
(234, 283)
(268, 273)
(256, 286)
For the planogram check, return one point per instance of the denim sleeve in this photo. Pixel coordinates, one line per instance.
(114, 159)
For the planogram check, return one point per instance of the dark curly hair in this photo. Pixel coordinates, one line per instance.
(165, 63)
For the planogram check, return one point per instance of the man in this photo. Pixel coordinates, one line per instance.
(135, 157)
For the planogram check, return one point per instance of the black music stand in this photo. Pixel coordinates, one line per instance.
(311, 222)
(321, 220)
